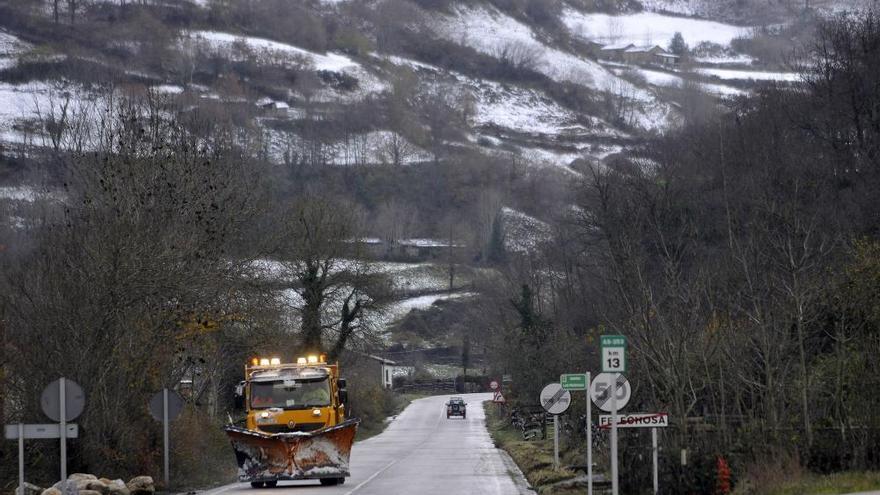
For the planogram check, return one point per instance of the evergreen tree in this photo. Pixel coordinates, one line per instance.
(497, 254)
(677, 46)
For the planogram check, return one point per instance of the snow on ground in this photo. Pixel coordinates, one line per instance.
(733, 59)
(558, 159)
(26, 102)
(168, 89)
(10, 48)
(682, 7)
(331, 61)
(750, 75)
(492, 32)
(293, 56)
(665, 79)
(530, 112)
(533, 112)
(376, 147)
(648, 28)
(29, 194)
(19, 193)
(523, 233)
(400, 309)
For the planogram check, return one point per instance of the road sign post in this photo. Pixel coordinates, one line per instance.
(62, 403)
(555, 400)
(63, 400)
(613, 351)
(656, 473)
(581, 381)
(22, 431)
(165, 406)
(589, 425)
(21, 459)
(642, 420)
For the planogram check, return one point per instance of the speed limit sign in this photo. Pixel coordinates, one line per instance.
(600, 390)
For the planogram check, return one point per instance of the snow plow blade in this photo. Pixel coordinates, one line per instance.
(293, 456)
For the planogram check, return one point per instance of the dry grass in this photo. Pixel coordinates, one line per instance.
(534, 458)
(783, 475)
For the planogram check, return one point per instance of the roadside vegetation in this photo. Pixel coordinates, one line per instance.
(534, 457)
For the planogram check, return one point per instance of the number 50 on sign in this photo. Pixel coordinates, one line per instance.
(613, 353)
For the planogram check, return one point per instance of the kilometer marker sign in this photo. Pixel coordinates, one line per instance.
(638, 420)
(613, 351)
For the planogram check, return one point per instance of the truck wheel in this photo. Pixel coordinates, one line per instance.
(257, 484)
(329, 481)
(271, 484)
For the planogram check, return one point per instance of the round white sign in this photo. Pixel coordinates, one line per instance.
(600, 391)
(555, 399)
(493, 385)
(74, 400)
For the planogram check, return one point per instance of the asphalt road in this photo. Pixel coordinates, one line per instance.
(420, 452)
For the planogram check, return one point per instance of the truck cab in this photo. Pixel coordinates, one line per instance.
(296, 397)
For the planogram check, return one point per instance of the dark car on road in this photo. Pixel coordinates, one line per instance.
(456, 407)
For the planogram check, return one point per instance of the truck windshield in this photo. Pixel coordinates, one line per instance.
(290, 394)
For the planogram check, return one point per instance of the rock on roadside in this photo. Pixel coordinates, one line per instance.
(141, 485)
(29, 489)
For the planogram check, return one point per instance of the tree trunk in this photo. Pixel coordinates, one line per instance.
(805, 402)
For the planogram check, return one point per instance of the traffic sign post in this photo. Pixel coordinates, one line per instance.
(21, 459)
(21, 432)
(655, 463)
(165, 406)
(613, 351)
(643, 420)
(63, 400)
(555, 400)
(581, 381)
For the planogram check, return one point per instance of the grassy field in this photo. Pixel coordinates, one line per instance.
(832, 484)
(534, 458)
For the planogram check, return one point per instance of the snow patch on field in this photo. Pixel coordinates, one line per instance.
(750, 75)
(22, 103)
(10, 48)
(523, 233)
(400, 309)
(648, 28)
(376, 147)
(734, 59)
(682, 7)
(665, 79)
(530, 112)
(294, 56)
(330, 61)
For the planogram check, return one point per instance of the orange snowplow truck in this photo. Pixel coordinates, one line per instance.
(296, 427)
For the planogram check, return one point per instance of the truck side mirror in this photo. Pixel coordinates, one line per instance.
(343, 393)
(238, 397)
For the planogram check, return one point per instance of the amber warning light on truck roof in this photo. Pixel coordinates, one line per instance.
(266, 361)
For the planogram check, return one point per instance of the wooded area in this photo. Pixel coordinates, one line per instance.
(740, 258)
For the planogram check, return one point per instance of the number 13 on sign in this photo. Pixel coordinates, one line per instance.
(613, 353)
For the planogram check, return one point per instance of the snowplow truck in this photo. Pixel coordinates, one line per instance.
(296, 426)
